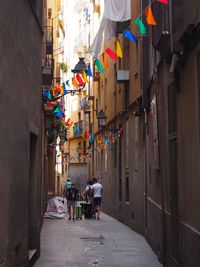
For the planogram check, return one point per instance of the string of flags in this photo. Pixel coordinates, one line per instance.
(103, 140)
(101, 62)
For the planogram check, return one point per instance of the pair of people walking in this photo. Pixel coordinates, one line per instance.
(92, 194)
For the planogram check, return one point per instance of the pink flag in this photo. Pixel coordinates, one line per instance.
(166, 2)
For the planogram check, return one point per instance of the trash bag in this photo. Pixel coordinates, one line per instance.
(55, 209)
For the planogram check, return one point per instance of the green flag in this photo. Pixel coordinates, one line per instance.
(99, 66)
(140, 25)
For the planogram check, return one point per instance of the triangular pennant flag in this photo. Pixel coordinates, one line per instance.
(85, 77)
(89, 72)
(149, 16)
(99, 65)
(75, 83)
(57, 88)
(65, 90)
(118, 49)
(61, 89)
(111, 54)
(67, 83)
(80, 80)
(105, 61)
(83, 134)
(79, 131)
(128, 34)
(140, 25)
(49, 95)
(166, 2)
(56, 110)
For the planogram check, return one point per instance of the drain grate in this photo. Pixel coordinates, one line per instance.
(92, 238)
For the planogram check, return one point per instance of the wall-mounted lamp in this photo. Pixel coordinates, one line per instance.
(80, 66)
(102, 122)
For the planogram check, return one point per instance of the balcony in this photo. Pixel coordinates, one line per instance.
(47, 71)
(47, 52)
(80, 126)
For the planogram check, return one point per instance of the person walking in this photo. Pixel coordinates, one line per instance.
(97, 190)
(88, 206)
(72, 196)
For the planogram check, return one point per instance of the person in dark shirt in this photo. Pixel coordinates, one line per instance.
(72, 196)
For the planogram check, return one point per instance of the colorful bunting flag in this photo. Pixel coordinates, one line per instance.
(79, 131)
(57, 88)
(85, 77)
(56, 110)
(89, 72)
(80, 80)
(105, 61)
(129, 35)
(67, 83)
(65, 90)
(141, 26)
(118, 49)
(111, 54)
(99, 66)
(149, 16)
(75, 83)
(166, 2)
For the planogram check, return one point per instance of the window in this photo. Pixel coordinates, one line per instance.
(106, 160)
(127, 143)
(120, 167)
(155, 133)
(126, 96)
(127, 189)
(136, 142)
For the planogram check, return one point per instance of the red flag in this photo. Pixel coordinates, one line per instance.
(111, 53)
(166, 2)
(79, 79)
(58, 89)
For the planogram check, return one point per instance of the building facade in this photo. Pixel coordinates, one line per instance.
(171, 89)
(21, 174)
(150, 174)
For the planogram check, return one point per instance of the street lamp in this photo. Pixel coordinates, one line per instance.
(80, 66)
(101, 119)
(102, 122)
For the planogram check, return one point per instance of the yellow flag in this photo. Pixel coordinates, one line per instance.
(85, 77)
(119, 50)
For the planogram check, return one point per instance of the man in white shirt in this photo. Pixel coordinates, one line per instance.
(97, 190)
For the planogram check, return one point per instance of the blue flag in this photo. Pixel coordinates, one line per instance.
(128, 34)
(89, 72)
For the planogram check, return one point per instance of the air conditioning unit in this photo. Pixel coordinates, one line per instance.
(122, 76)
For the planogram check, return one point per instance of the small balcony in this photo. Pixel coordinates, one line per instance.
(47, 71)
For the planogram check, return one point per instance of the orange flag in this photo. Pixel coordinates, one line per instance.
(105, 61)
(149, 16)
(75, 83)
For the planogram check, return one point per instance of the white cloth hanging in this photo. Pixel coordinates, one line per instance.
(115, 11)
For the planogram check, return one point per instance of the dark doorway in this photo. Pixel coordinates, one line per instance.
(173, 171)
(33, 208)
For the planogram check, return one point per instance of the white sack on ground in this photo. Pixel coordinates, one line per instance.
(55, 209)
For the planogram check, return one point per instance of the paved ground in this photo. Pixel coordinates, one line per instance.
(85, 243)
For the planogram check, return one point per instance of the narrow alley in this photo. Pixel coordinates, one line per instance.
(100, 104)
(83, 243)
